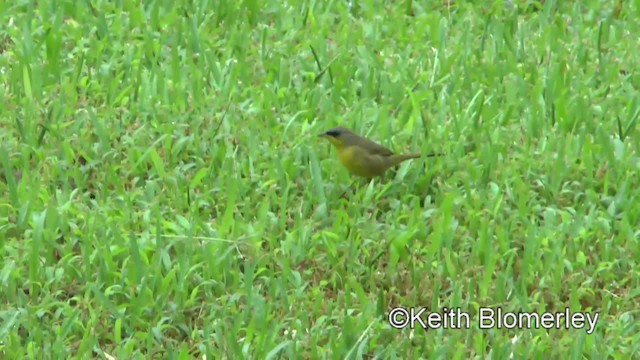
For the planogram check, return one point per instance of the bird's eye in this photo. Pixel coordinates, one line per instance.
(333, 133)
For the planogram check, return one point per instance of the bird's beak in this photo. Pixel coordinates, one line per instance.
(323, 135)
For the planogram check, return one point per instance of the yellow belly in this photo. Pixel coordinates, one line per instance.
(358, 163)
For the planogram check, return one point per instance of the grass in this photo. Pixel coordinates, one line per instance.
(164, 194)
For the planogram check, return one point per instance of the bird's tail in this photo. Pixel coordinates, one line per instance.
(435, 154)
(397, 159)
(404, 157)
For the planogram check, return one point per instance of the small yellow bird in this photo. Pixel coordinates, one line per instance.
(363, 157)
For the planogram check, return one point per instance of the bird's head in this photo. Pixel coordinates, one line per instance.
(339, 136)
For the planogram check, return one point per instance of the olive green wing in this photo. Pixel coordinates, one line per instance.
(374, 149)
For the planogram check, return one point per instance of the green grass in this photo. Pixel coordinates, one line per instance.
(164, 195)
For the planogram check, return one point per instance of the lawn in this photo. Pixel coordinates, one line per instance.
(164, 193)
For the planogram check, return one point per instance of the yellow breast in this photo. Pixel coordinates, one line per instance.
(355, 161)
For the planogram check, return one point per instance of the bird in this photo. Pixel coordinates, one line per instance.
(363, 157)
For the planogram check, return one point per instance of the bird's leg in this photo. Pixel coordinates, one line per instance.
(344, 193)
(349, 188)
(384, 176)
(366, 182)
